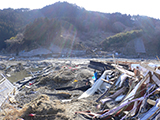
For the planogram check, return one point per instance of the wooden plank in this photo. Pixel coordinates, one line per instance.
(151, 102)
(107, 81)
(131, 95)
(5, 88)
(156, 80)
(150, 68)
(121, 69)
(147, 67)
(152, 111)
(157, 58)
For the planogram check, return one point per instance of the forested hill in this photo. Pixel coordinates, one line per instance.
(13, 21)
(59, 23)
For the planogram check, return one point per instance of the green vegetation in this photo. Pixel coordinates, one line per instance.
(51, 24)
(13, 21)
(121, 38)
(85, 20)
(6, 31)
(13, 38)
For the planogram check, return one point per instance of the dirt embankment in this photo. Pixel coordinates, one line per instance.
(44, 96)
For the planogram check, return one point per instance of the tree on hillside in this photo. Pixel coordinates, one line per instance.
(120, 38)
(6, 31)
(42, 30)
(13, 21)
(60, 10)
(118, 17)
(145, 23)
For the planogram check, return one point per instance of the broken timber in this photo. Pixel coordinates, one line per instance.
(6, 88)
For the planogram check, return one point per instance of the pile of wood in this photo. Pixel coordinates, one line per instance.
(130, 90)
(117, 90)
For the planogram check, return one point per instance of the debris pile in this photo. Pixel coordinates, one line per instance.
(89, 90)
(133, 95)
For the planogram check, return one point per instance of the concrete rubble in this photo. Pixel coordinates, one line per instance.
(83, 90)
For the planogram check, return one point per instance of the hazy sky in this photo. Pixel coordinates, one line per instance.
(149, 8)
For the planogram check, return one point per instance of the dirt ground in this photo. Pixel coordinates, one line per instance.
(46, 97)
(52, 91)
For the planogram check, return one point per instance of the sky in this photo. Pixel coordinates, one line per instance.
(148, 8)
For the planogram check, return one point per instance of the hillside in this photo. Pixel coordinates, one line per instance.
(71, 27)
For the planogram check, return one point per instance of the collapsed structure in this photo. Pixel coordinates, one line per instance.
(132, 95)
(119, 90)
(6, 88)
